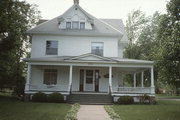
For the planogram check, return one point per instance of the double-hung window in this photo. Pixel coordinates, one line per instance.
(97, 48)
(68, 25)
(51, 47)
(50, 76)
(82, 25)
(75, 25)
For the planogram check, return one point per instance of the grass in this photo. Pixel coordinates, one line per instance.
(164, 110)
(13, 109)
(165, 96)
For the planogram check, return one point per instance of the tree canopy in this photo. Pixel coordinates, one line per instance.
(157, 38)
(16, 17)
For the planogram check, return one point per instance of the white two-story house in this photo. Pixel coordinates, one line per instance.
(79, 53)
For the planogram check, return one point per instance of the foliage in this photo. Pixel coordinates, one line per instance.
(167, 51)
(72, 113)
(125, 100)
(147, 99)
(16, 17)
(157, 38)
(55, 97)
(111, 112)
(39, 97)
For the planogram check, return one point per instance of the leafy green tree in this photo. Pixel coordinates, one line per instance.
(134, 25)
(16, 17)
(167, 54)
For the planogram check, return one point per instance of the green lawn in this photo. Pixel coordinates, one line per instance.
(164, 110)
(12, 109)
(164, 96)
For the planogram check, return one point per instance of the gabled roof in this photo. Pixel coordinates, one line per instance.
(100, 26)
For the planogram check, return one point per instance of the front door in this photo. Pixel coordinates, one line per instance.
(89, 80)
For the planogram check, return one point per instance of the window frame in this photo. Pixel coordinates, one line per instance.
(81, 24)
(102, 48)
(46, 49)
(67, 25)
(49, 71)
(77, 25)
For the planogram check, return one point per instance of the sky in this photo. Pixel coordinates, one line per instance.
(117, 9)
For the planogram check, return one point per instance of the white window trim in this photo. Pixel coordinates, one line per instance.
(57, 48)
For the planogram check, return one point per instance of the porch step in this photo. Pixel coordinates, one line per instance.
(90, 99)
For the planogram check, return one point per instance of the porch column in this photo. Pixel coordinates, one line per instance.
(27, 87)
(134, 79)
(110, 78)
(152, 76)
(142, 79)
(70, 78)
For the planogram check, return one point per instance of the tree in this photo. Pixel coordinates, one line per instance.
(134, 25)
(167, 54)
(16, 17)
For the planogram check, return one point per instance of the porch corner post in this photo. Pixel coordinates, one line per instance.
(152, 76)
(142, 79)
(70, 78)
(27, 86)
(134, 80)
(110, 78)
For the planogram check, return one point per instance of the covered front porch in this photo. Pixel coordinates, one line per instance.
(103, 77)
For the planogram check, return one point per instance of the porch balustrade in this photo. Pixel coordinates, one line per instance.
(48, 88)
(134, 90)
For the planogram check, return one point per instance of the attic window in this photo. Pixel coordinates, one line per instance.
(68, 25)
(75, 25)
(76, 8)
(82, 25)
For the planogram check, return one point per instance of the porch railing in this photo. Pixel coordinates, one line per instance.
(48, 87)
(133, 90)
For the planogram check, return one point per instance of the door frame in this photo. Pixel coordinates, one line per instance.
(84, 82)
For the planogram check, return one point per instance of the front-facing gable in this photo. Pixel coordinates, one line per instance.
(93, 26)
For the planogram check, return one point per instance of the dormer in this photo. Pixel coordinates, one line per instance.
(75, 18)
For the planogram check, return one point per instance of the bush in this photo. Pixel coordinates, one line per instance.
(39, 97)
(125, 100)
(56, 98)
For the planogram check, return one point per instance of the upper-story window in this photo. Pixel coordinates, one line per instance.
(82, 25)
(75, 25)
(68, 25)
(97, 48)
(51, 47)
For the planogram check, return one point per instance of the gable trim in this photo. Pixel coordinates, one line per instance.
(93, 55)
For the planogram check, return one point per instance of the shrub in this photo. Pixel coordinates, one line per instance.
(39, 97)
(56, 98)
(125, 100)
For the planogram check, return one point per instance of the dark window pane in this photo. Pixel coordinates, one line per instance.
(68, 25)
(50, 76)
(82, 25)
(51, 47)
(97, 48)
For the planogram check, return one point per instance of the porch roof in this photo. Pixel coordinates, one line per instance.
(89, 58)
